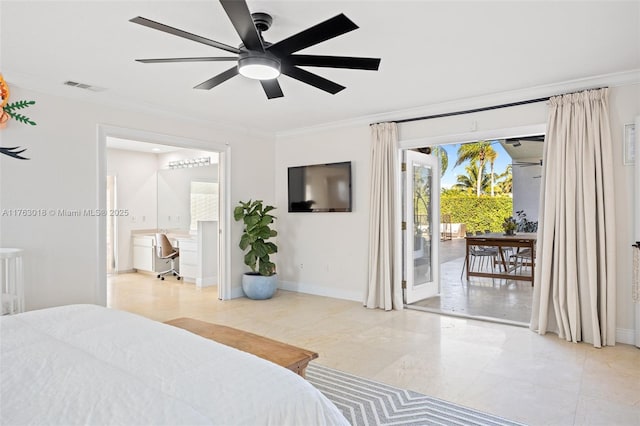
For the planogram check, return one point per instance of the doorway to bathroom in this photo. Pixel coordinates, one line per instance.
(157, 185)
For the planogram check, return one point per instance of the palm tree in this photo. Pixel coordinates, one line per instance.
(505, 180)
(440, 152)
(473, 179)
(475, 152)
(444, 159)
(491, 155)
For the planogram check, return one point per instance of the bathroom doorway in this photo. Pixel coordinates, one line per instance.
(131, 163)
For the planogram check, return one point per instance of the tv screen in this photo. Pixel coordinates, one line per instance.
(320, 188)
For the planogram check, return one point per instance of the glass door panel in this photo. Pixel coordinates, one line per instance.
(422, 218)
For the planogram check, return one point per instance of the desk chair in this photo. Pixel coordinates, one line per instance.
(164, 250)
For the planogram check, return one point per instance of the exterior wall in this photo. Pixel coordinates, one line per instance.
(526, 189)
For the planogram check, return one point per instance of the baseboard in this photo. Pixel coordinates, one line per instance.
(236, 292)
(625, 335)
(320, 290)
(207, 281)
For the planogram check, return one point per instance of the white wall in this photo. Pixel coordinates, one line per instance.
(624, 106)
(324, 253)
(473, 127)
(61, 252)
(136, 192)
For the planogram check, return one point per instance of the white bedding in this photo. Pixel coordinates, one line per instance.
(85, 364)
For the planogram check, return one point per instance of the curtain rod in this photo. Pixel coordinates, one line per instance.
(489, 108)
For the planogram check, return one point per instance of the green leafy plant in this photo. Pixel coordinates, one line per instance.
(524, 224)
(257, 229)
(509, 224)
(477, 213)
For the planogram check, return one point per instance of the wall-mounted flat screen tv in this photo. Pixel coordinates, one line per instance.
(320, 188)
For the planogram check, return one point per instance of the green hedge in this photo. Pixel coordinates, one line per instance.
(478, 213)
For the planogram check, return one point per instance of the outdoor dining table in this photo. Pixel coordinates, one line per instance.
(519, 241)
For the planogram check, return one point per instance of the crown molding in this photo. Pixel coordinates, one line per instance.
(610, 80)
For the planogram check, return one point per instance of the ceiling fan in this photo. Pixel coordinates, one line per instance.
(518, 141)
(258, 59)
(527, 163)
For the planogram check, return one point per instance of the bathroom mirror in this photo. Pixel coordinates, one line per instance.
(174, 195)
(204, 202)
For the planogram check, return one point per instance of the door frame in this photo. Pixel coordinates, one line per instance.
(447, 139)
(224, 173)
(114, 237)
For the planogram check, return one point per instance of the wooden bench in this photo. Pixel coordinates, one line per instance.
(291, 357)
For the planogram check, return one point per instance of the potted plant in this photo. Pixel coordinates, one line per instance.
(524, 224)
(509, 225)
(261, 282)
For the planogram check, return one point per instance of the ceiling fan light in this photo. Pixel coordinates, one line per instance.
(259, 68)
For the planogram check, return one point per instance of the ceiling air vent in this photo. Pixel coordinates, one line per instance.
(84, 86)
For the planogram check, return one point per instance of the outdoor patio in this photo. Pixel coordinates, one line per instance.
(493, 299)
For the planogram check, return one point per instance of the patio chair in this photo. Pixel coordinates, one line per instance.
(480, 254)
(522, 258)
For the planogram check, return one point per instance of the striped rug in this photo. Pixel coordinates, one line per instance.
(366, 403)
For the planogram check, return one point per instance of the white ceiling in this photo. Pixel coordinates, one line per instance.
(431, 52)
(527, 150)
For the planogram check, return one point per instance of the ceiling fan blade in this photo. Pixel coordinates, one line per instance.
(312, 79)
(527, 163)
(272, 88)
(350, 62)
(240, 17)
(180, 33)
(170, 60)
(218, 79)
(323, 31)
(534, 138)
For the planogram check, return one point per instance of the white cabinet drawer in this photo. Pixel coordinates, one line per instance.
(188, 257)
(188, 271)
(189, 245)
(144, 253)
(143, 241)
(143, 258)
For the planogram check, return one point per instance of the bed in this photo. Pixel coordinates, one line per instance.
(86, 364)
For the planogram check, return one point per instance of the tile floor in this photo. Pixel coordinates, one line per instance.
(500, 369)
(500, 299)
(506, 300)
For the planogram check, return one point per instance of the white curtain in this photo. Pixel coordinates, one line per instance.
(384, 289)
(575, 283)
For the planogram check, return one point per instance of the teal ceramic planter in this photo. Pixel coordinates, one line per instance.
(259, 287)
